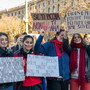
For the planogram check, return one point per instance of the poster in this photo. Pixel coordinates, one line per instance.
(42, 66)
(78, 21)
(46, 21)
(11, 69)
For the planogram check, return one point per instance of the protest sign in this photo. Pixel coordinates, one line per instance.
(46, 21)
(78, 21)
(11, 69)
(42, 66)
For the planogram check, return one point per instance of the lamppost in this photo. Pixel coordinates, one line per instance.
(26, 15)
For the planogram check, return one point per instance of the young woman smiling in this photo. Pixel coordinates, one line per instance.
(80, 73)
(30, 83)
(4, 52)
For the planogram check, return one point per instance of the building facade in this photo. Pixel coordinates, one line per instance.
(42, 6)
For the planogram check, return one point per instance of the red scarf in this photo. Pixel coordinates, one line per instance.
(73, 61)
(59, 47)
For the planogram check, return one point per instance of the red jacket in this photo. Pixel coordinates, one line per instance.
(29, 81)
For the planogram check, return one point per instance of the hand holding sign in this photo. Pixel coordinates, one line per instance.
(42, 32)
(45, 21)
(59, 77)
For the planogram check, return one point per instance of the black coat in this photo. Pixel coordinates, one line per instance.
(5, 53)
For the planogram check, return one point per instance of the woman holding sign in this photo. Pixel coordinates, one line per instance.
(4, 52)
(56, 47)
(30, 83)
(79, 64)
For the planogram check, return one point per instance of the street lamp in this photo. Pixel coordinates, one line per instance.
(26, 15)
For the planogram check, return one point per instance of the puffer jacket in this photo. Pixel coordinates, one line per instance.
(48, 49)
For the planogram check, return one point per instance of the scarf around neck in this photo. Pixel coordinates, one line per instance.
(73, 61)
(59, 47)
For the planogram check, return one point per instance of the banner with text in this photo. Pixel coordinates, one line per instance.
(78, 21)
(11, 69)
(46, 21)
(42, 66)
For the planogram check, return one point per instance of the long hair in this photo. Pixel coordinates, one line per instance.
(72, 40)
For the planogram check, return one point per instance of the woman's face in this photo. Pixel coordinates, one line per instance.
(77, 39)
(3, 41)
(61, 36)
(28, 44)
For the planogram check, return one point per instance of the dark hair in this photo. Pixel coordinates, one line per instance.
(85, 36)
(17, 36)
(3, 34)
(58, 33)
(72, 40)
(26, 37)
(24, 33)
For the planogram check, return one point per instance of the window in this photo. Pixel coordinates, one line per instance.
(22, 11)
(43, 10)
(30, 8)
(11, 14)
(18, 12)
(58, 7)
(53, 10)
(15, 13)
(43, 4)
(48, 10)
(72, 3)
(39, 6)
(48, 2)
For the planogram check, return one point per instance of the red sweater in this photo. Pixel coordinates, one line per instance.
(29, 81)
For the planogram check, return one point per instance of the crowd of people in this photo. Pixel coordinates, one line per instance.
(73, 59)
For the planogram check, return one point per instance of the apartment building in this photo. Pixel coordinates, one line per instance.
(42, 6)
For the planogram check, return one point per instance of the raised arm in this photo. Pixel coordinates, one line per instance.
(66, 44)
(41, 48)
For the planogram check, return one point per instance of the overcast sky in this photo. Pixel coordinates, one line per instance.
(5, 4)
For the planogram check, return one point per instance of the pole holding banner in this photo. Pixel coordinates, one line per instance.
(26, 15)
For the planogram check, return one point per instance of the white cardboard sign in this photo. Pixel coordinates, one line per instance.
(42, 66)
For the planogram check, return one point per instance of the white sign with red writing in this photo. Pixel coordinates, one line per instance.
(50, 22)
(78, 21)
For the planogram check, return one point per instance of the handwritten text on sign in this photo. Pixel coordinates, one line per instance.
(11, 69)
(42, 66)
(78, 21)
(49, 22)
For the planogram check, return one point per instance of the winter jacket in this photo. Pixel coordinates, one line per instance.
(29, 81)
(48, 49)
(87, 60)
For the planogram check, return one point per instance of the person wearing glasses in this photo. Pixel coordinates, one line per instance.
(79, 64)
(58, 46)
